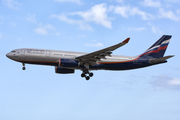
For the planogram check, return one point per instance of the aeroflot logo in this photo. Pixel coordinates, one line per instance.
(157, 46)
(35, 50)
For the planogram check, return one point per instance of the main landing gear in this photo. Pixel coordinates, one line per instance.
(23, 66)
(85, 72)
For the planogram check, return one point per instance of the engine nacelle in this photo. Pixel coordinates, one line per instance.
(68, 63)
(64, 70)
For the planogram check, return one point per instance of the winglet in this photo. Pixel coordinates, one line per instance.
(126, 41)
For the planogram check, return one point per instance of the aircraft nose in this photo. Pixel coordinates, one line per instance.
(8, 55)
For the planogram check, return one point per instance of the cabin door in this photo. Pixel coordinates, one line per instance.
(47, 53)
(23, 52)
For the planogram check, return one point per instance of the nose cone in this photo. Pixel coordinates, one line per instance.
(9, 55)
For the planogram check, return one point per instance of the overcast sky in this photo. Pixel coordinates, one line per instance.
(38, 93)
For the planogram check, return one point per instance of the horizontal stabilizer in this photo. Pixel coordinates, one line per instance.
(153, 61)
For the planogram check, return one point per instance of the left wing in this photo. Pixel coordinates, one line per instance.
(97, 55)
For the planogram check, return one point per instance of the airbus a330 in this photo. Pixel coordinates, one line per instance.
(66, 62)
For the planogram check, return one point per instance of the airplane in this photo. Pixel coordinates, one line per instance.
(67, 62)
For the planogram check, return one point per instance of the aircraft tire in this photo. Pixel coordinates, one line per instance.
(87, 77)
(24, 68)
(91, 74)
(83, 75)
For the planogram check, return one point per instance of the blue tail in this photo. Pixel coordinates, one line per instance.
(158, 49)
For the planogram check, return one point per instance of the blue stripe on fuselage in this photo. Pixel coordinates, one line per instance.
(137, 63)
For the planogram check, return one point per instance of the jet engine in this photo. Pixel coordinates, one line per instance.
(64, 70)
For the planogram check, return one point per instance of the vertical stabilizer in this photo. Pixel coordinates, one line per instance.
(158, 49)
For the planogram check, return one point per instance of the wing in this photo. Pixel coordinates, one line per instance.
(100, 54)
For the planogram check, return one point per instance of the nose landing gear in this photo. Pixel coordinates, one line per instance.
(23, 66)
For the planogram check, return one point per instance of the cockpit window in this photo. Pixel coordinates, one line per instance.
(13, 51)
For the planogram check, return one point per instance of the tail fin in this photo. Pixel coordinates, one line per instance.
(158, 49)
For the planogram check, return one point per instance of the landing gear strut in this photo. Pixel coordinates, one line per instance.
(85, 72)
(23, 66)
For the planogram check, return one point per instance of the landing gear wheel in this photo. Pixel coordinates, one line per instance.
(24, 68)
(83, 75)
(87, 77)
(91, 74)
(86, 74)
